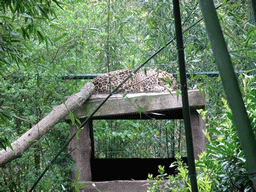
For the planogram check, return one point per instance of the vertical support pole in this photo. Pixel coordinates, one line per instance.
(183, 80)
(80, 150)
(90, 123)
(198, 127)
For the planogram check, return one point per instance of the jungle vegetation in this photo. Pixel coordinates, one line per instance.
(42, 41)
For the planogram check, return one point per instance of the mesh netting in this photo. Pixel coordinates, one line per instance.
(139, 138)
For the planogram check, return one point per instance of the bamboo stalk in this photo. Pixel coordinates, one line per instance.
(231, 87)
(184, 90)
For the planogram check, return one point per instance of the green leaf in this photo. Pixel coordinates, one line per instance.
(178, 93)
(40, 36)
(158, 7)
(77, 133)
(32, 142)
(77, 188)
(2, 145)
(5, 17)
(49, 184)
(213, 130)
(24, 33)
(162, 79)
(128, 98)
(27, 45)
(72, 118)
(249, 36)
(191, 72)
(151, 22)
(78, 121)
(56, 26)
(78, 174)
(213, 123)
(42, 10)
(83, 184)
(120, 28)
(224, 2)
(229, 115)
(58, 3)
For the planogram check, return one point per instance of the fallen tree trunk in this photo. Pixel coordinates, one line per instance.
(36, 132)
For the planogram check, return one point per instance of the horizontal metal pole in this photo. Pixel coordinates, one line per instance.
(93, 75)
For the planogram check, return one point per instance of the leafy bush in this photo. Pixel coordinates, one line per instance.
(224, 161)
(179, 182)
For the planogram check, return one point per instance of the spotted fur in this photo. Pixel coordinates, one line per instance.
(149, 81)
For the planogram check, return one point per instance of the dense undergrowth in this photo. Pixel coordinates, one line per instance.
(223, 166)
(40, 44)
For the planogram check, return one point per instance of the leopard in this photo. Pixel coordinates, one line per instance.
(143, 81)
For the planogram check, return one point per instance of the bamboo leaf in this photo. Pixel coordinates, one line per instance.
(83, 184)
(78, 175)
(40, 36)
(72, 118)
(213, 130)
(77, 133)
(249, 36)
(60, 37)
(56, 26)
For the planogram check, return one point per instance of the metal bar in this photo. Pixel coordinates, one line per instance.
(93, 75)
(80, 76)
(185, 103)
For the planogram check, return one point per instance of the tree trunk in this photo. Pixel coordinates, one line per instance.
(58, 113)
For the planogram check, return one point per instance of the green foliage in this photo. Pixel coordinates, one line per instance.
(223, 166)
(4, 143)
(20, 21)
(224, 161)
(179, 182)
(20, 174)
(75, 184)
(37, 48)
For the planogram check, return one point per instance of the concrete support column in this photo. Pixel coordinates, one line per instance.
(198, 126)
(81, 151)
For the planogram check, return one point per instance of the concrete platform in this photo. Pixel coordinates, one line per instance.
(116, 186)
(132, 106)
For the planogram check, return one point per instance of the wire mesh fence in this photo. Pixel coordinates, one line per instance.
(139, 138)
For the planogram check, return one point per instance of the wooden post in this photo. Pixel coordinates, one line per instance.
(197, 126)
(81, 151)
